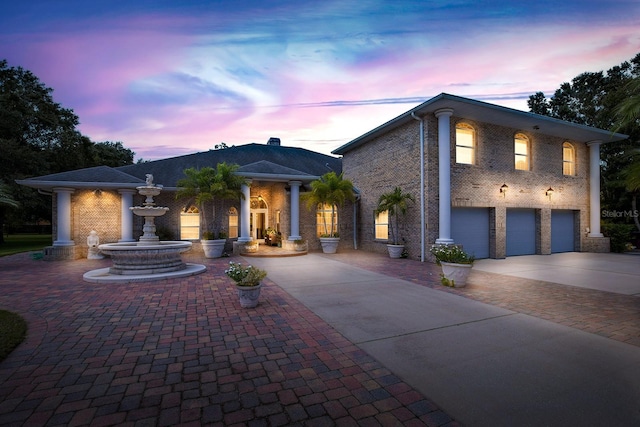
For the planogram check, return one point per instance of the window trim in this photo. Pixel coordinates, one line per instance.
(519, 156)
(571, 162)
(377, 225)
(472, 148)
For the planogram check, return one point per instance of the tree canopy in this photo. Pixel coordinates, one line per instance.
(606, 100)
(38, 137)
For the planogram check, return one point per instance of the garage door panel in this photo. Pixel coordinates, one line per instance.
(562, 231)
(521, 232)
(470, 228)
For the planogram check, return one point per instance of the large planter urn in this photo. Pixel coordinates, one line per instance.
(329, 244)
(456, 274)
(250, 247)
(249, 295)
(213, 248)
(395, 251)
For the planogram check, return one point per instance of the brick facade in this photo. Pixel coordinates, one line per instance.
(393, 159)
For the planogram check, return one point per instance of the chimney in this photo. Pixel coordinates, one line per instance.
(274, 141)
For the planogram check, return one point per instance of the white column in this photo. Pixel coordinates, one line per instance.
(245, 214)
(295, 210)
(126, 216)
(63, 234)
(594, 188)
(444, 175)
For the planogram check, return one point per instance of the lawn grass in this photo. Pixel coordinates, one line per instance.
(13, 330)
(16, 243)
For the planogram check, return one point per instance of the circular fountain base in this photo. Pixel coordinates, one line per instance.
(136, 262)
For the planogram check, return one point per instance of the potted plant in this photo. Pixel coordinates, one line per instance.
(331, 190)
(250, 247)
(299, 245)
(206, 185)
(395, 203)
(248, 282)
(271, 238)
(456, 264)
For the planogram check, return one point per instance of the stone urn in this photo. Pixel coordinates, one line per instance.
(249, 295)
(329, 244)
(395, 251)
(213, 248)
(456, 274)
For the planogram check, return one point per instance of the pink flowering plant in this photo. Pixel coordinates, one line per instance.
(245, 276)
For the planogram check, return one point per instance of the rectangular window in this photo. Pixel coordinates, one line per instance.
(323, 221)
(382, 226)
(233, 226)
(464, 145)
(521, 148)
(189, 226)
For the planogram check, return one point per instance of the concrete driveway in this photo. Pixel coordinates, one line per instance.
(484, 365)
(619, 273)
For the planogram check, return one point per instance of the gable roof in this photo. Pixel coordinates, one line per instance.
(258, 161)
(488, 113)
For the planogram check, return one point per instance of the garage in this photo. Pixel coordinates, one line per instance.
(562, 231)
(521, 232)
(470, 228)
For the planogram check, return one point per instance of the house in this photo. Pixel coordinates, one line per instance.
(498, 181)
(99, 198)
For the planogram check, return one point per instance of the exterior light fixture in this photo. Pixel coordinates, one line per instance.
(549, 192)
(503, 190)
(97, 192)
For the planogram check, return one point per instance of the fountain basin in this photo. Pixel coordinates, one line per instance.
(133, 261)
(149, 210)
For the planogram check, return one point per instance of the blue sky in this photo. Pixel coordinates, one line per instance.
(174, 77)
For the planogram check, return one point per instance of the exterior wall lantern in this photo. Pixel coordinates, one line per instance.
(503, 190)
(549, 192)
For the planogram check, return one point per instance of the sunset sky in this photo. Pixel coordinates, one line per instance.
(173, 77)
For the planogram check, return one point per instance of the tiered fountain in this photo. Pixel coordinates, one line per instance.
(149, 258)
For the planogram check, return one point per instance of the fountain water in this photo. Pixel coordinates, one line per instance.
(149, 258)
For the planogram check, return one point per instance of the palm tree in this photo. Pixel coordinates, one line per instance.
(329, 190)
(395, 203)
(208, 184)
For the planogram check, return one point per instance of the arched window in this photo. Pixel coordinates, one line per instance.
(327, 221)
(521, 150)
(233, 223)
(568, 159)
(190, 223)
(465, 144)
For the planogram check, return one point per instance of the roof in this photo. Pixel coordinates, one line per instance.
(257, 161)
(488, 113)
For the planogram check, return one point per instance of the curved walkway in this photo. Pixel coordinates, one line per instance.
(181, 352)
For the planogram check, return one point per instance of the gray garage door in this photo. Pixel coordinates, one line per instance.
(562, 231)
(521, 232)
(470, 228)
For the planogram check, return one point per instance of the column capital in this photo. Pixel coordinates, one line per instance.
(444, 112)
(594, 142)
(127, 191)
(296, 183)
(63, 190)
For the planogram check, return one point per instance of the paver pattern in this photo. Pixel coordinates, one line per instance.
(183, 352)
(611, 315)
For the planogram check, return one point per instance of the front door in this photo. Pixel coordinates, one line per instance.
(258, 223)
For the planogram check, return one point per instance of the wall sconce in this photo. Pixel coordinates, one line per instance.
(549, 192)
(503, 190)
(97, 192)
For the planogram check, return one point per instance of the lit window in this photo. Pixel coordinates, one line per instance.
(233, 223)
(325, 215)
(465, 144)
(521, 149)
(568, 159)
(190, 224)
(382, 226)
